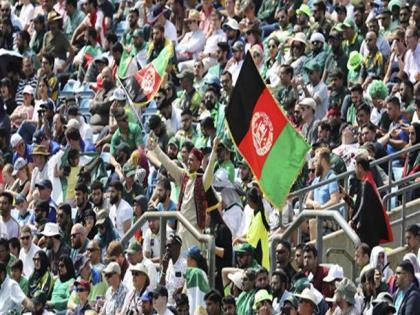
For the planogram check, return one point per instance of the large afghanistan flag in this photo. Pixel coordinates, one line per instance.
(144, 85)
(274, 150)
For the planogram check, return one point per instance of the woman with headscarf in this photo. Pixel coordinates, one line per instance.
(41, 278)
(223, 242)
(412, 161)
(106, 231)
(61, 292)
(196, 279)
(379, 260)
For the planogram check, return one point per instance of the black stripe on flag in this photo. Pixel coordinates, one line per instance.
(248, 89)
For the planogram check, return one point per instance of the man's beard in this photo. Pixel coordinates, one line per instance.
(113, 200)
(318, 170)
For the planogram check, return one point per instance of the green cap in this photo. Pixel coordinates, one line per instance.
(304, 9)
(394, 3)
(173, 141)
(312, 65)
(133, 247)
(245, 248)
(129, 169)
(355, 60)
(349, 23)
(261, 295)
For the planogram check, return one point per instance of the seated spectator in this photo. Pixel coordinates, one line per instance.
(244, 302)
(55, 245)
(6, 219)
(41, 279)
(16, 274)
(412, 238)
(311, 265)
(106, 231)
(193, 41)
(406, 298)
(27, 251)
(62, 286)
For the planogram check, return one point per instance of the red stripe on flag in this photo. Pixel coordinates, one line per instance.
(148, 79)
(265, 126)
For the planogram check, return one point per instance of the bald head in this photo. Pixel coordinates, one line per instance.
(370, 39)
(78, 236)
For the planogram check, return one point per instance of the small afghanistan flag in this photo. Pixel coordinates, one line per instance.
(274, 150)
(144, 85)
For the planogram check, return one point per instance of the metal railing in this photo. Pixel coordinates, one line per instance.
(403, 192)
(301, 193)
(319, 215)
(163, 216)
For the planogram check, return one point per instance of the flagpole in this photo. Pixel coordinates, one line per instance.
(130, 102)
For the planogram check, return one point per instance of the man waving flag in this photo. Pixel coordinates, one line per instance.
(274, 150)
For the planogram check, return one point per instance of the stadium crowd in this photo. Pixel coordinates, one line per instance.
(82, 158)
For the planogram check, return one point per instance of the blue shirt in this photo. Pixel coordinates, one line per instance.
(323, 194)
(171, 207)
(27, 155)
(402, 136)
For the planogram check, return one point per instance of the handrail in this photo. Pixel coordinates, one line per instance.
(163, 216)
(348, 173)
(402, 192)
(318, 214)
(345, 254)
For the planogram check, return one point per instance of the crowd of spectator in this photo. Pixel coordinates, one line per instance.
(81, 161)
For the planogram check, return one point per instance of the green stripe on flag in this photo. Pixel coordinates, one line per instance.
(283, 164)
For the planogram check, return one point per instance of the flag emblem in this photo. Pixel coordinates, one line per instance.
(262, 133)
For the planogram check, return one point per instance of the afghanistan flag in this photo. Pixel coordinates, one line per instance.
(144, 85)
(197, 287)
(274, 150)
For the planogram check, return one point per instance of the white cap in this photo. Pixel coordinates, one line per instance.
(335, 272)
(236, 278)
(318, 37)
(112, 267)
(28, 90)
(310, 295)
(15, 140)
(73, 123)
(118, 95)
(233, 24)
(308, 101)
(51, 229)
(19, 164)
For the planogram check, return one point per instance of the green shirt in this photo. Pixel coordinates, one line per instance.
(61, 294)
(72, 22)
(24, 285)
(133, 139)
(267, 10)
(244, 302)
(286, 97)
(11, 261)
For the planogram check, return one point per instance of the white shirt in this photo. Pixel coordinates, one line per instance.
(119, 215)
(212, 41)
(26, 14)
(173, 124)
(382, 45)
(151, 272)
(39, 175)
(234, 70)
(175, 277)
(3, 230)
(233, 217)
(412, 63)
(192, 42)
(170, 31)
(12, 227)
(320, 91)
(26, 257)
(11, 296)
(151, 244)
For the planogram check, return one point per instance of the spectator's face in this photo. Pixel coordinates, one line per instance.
(264, 308)
(112, 278)
(172, 151)
(96, 197)
(5, 9)
(362, 118)
(159, 301)
(393, 111)
(76, 239)
(309, 261)
(411, 241)
(373, 26)
(371, 41)
(368, 135)
(44, 193)
(161, 193)
(45, 65)
(139, 279)
(318, 13)
(25, 240)
(62, 270)
(198, 69)
(323, 133)
(299, 258)
(261, 281)
(403, 278)
(283, 18)
(272, 48)
(302, 19)
(132, 19)
(243, 260)
(229, 309)
(356, 97)
(385, 20)
(157, 35)
(154, 226)
(37, 262)
(115, 195)
(404, 16)
(16, 274)
(82, 293)
(282, 254)
(215, 21)
(412, 135)
(81, 198)
(285, 77)
(226, 82)
(305, 307)
(184, 154)
(186, 121)
(410, 39)
(212, 308)
(210, 100)
(193, 163)
(288, 309)
(247, 284)
(5, 205)
(244, 173)
(4, 253)
(147, 307)
(358, 17)
(415, 13)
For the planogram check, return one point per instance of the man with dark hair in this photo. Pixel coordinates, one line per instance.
(337, 58)
(120, 212)
(213, 301)
(74, 17)
(182, 305)
(6, 220)
(368, 209)
(5, 256)
(11, 295)
(284, 259)
(363, 115)
(407, 297)
(368, 134)
(229, 305)
(85, 215)
(311, 266)
(97, 196)
(362, 257)
(279, 284)
(285, 95)
(16, 271)
(163, 193)
(187, 130)
(412, 238)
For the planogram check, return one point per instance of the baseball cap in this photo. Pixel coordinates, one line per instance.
(245, 248)
(138, 33)
(160, 291)
(304, 9)
(118, 95)
(355, 60)
(261, 295)
(129, 169)
(186, 74)
(101, 217)
(312, 65)
(15, 140)
(349, 23)
(48, 105)
(317, 37)
(193, 252)
(18, 165)
(45, 183)
(147, 296)
(28, 90)
(38, 136)
(133, 247)
(232, 23)
(82, 283)
(80, 262)
(335, 272)
(112, 267)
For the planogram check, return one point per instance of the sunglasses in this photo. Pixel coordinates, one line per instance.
(272, 46)
(109, 275)
(136, 273)
(22, 238)
(81, 290)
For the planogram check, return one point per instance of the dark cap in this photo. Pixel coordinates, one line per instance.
(245, 248)
(38, 136)
(73, 111)
(48, 105)
(157, 10)
(45, 183)
(176, 238)
(223, 46)
(154, 122)
(193, 252)
(238, 46)
(160, 291)
(147, 296)
(138, 33)
(39, 19)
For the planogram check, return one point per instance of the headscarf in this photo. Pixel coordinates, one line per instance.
(374, 262)
(37, 275)
(110, 234)
(68, 263)
(416, 266)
